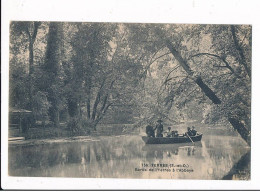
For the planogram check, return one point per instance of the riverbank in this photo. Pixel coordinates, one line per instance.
(29, 142)
(50, 134)
(42, 135)
(78, 139)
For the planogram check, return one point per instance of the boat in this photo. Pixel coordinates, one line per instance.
(172, 140)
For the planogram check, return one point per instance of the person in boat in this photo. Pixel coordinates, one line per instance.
(189, 131)
(150, 131)
(169, 132)
(175, 134)
(193, 131)
(159, 128)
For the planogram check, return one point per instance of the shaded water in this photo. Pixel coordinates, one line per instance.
(128, 157)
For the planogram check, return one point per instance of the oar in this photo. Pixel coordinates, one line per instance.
(189, 138)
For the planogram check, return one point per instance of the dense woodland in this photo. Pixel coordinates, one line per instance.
(85, 74)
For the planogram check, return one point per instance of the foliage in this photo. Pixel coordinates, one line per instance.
(99, 75)
(94, 71)
(52, 76)
(41, 106)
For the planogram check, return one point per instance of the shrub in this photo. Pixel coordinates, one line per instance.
(79, 125)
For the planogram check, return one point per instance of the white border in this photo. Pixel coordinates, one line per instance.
(137, 11)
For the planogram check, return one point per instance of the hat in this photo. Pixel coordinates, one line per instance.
(159, 121)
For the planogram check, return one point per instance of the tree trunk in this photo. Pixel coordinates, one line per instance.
(32, 38)
(89, 87)
(179, 58)
(240, 50)
(97, 100)
(94, 112)
(54, 115)
(198, 80)
(31, 57)
(237, 125)
(30, 74)
(244, 133)
(207, 91)
(53, 61)
(241, 165)
(57, 118)
(88, 107)
(72, 107)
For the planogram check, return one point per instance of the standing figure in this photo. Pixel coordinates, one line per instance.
(159, 128)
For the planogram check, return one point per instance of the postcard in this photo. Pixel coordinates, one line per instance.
(129, 101)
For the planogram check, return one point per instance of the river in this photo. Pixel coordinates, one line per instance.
(126, 156)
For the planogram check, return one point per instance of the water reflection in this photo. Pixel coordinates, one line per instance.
(118, 157)
(168, 150)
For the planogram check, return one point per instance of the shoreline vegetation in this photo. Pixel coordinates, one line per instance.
(51, 132)
(40, 135)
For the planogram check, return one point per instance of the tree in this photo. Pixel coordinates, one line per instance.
(231, 102)
(99, 74)
(185, 43)
(28, 31)
(41, 107)
(52, 68)
(95, 70)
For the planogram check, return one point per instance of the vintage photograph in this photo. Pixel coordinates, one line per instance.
(129, 100)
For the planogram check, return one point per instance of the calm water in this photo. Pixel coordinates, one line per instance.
(128, 157)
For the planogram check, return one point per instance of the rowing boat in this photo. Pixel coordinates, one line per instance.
(171, 140)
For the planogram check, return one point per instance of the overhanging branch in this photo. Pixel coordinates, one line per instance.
(218, 57)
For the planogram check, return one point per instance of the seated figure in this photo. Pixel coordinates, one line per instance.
(150, 131)
(189, 132)
(175, 133)
(169, 132)
(193, 131)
